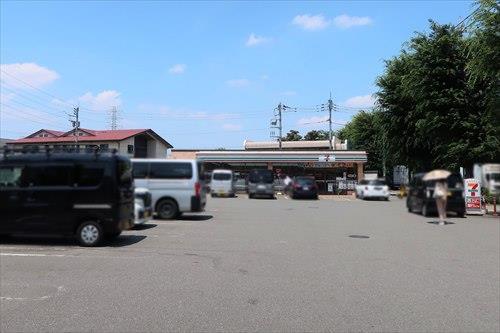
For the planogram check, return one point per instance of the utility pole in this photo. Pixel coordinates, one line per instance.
(114, 118)
(330, 109)
(280, 108)
(75, 123)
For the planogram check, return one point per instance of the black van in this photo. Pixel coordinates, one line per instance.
(88, 195)
(421, 195)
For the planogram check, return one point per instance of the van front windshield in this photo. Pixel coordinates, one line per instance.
(261, 176)
(222, 176)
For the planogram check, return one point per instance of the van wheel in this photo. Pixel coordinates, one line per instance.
(167, 209)
(89, 233)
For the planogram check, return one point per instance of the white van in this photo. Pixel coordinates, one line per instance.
(222, 183)
(176, 186)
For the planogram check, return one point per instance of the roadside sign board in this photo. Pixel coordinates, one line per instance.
(473, 196)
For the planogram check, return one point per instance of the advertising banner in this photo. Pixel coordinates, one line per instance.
(473, 196)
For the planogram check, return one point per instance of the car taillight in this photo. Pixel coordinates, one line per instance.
(197, 189)
(296, 185)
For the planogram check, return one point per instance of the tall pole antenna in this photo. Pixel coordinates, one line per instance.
(114, 118)
(330, 109)
(280, 108)
(75, 123)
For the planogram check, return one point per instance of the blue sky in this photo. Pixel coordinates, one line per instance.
(201, 74)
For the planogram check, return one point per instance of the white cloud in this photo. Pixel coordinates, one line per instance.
(364, 101)
(311, 22)
(289, 93)
(177, 69)
(319, 22)
(102, 101)
(231, 127)
(31, 73)
(238, 83)
(254, 40)
(345, 21)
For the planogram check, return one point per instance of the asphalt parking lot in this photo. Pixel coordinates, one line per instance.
(263, 265)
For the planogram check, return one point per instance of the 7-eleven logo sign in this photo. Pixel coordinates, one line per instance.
(473, 189)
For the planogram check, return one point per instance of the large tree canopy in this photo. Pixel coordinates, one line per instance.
(433, 116)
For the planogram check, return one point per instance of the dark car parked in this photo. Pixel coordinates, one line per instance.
(87, 195)
(303, 187)
(421, 195)
(260, 183)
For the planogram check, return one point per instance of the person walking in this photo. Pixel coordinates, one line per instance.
(441, 194)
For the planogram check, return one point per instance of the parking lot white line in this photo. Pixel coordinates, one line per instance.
(31, 255)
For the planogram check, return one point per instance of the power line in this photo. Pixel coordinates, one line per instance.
(20, 114)
(32, 86)
(34, 114)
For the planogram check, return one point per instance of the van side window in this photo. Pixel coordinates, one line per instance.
(10, 176)
(44, 175)
(172, 170)
(140, 169)
(89, 175)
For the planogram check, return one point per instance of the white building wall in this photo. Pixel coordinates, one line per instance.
(152, 148)
(160, 150)
(123, 146)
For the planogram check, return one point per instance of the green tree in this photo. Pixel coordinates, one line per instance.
(316, 135)
(364, 132)
(484, 68)
(292, 135)
(431, 114)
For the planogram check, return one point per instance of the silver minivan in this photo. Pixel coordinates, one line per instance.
(222, 183)
(176, 186)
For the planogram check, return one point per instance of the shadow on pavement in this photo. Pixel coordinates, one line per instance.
(122, 240)
(195, 218)
(144, 226)
(38, 240)
(437, 222)
(125, 240)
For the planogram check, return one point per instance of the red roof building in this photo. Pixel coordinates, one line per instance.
(132, 142)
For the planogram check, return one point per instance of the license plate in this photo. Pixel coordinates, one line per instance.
(261, 187)
(305, 188)
(378, 188)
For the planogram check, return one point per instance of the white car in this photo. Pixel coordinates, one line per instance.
(376, 188)
(222, 183)
(176, 186)
(143, 209)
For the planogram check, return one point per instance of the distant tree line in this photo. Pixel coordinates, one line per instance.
(438, 101)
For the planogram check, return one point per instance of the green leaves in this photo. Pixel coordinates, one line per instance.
(440, 106)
